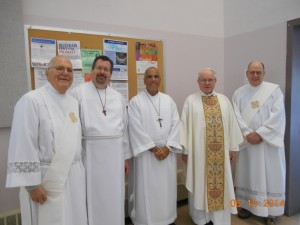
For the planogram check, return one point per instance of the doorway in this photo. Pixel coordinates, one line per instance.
(292, 103)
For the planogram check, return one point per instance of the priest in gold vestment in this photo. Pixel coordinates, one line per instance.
(209, 134)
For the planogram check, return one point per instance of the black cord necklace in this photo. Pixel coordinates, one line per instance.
(157, 111)
(103, 105)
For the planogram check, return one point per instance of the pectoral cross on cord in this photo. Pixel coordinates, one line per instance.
(159, 120)
(103, 105)
(157, 111)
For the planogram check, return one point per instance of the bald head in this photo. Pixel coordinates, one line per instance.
(256, 62)
(58, 58)
(255, 73)
(60, 73)
(152, 80)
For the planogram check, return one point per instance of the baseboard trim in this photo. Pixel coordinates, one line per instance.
(12, 217)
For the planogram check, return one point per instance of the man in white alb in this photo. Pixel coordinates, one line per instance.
(154, 137)
(45, 152)
(209, 134)
(105, 145)
(260, 169)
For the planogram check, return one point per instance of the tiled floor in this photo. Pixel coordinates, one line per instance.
(183, 218)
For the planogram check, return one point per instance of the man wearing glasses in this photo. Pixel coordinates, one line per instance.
(260, 170)
(209, 134)
(45, 152)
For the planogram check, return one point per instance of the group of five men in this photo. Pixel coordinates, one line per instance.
(45, 157)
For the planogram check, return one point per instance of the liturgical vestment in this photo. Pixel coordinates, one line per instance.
(105, 148)
(261, 168)
(193, 139)
(36, 137)
(153, 183)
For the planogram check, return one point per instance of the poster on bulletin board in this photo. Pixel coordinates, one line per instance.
(82, 47)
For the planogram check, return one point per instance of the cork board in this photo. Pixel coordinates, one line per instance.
(95, 41)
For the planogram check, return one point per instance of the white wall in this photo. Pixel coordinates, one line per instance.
(9, 198)
(246, 16)
(12, 65)
(265, 44)
(256, 30)
(204, 18)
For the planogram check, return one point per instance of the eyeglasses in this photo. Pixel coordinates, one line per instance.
(152, 76)
(258, 73)
(62, 69)
(209, 81)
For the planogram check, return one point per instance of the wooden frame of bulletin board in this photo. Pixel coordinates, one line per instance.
(89, 40)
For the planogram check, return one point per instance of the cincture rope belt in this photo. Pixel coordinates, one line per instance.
(101, 137)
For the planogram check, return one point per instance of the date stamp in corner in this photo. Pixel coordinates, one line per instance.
(267, 203)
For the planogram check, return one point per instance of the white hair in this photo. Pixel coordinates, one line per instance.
(206, 69)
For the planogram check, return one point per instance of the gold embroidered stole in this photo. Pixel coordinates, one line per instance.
(215, 155)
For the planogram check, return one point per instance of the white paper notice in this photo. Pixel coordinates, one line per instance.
(39, 77)
(71, 49)
(42, 51)
(77, 79)
(140, 83)
(121, 87)
(117, 51)
(141, 66)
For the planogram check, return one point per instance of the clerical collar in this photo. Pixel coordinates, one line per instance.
(211, 94)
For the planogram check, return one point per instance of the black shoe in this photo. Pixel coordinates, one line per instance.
(244, 213)
(271, 220)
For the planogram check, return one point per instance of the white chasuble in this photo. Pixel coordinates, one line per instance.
(105, 148)
(153, 183)
(260, 169)
(193, 139)
(37, 147)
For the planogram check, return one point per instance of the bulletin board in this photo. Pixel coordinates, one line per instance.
(95, 41)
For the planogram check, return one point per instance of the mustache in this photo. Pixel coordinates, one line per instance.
(101, 75)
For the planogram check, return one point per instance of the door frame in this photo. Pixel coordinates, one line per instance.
(292, 132)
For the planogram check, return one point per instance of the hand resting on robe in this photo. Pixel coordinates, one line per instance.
(127, 167)
(38, 195)
(160, 153)
(232, 157)
(184, 158)
(254, 138)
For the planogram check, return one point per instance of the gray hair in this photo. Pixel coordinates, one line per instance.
(206, 69)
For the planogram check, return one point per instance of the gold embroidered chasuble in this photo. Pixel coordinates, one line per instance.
(215, 153)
